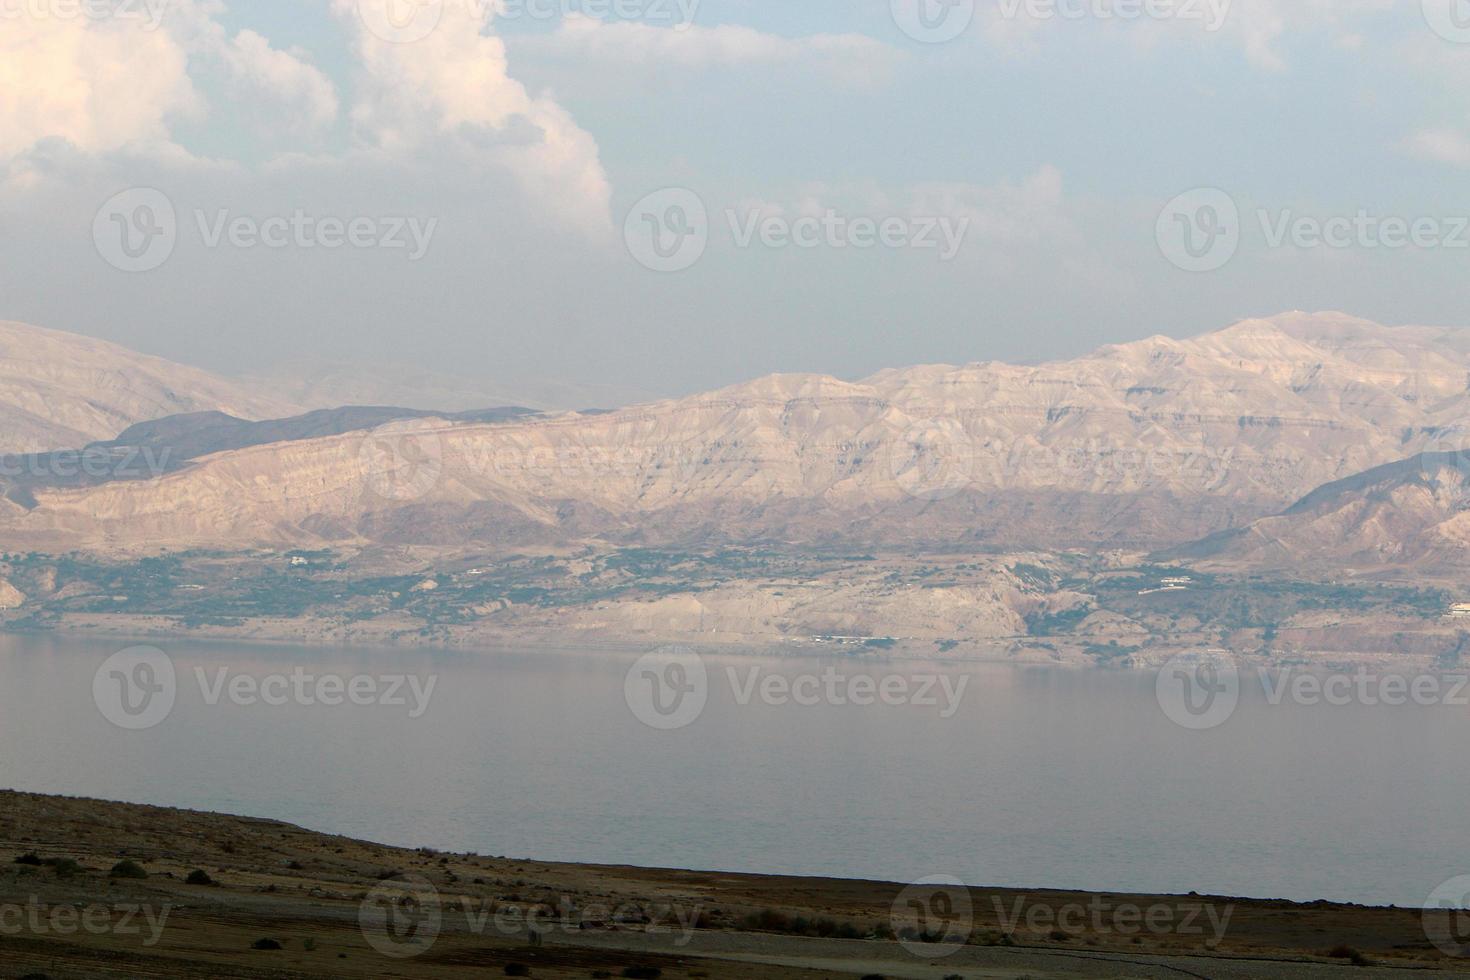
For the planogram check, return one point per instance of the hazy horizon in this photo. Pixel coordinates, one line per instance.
(1021, 204)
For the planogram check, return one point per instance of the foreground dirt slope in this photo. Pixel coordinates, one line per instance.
(304, 892)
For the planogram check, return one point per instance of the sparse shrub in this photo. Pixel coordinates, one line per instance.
(265, 943)
(127, 868)
(1345, 952)
(198, 877)
(31, 858)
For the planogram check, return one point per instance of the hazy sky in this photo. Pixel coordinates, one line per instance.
(882, 183)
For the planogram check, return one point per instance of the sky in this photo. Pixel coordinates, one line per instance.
(674, 195)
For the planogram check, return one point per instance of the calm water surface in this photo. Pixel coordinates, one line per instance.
(1043, 777)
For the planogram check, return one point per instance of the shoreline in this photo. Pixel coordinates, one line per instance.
(312, 896)
(307, 632)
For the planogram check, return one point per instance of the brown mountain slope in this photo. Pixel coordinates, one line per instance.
(1413, 513)
(1142, 444)
(60, 390)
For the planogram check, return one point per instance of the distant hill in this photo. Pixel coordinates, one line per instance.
(1139, 446)
(61, 391)
(1411, 513)
(150, 449)
(186, 437)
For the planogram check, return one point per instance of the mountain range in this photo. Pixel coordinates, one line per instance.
(1154, 444)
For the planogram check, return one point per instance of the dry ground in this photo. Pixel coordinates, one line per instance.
(305, 891)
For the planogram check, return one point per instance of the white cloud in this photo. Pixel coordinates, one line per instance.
(1443, 145)
(109, 85)
(1261, 29)
(455, 83)
(104, 84)
(851, 58)
(100, 85)
(282, 77)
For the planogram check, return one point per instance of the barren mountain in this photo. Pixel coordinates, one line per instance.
(1410, 513)
(1142, 444)
(61, 391)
